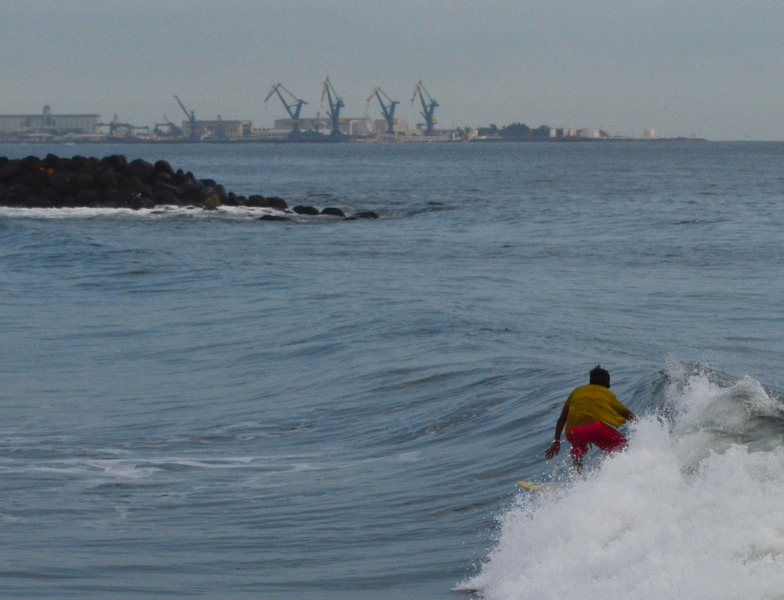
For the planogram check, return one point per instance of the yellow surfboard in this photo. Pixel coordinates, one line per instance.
(537, 487)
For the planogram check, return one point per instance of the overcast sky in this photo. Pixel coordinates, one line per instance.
(712, 69)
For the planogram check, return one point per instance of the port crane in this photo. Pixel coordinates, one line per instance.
(117, 129)
(191, 119)
(387, 109)
(428, 107)
(334, 107)
(173, 130)
(294, 108)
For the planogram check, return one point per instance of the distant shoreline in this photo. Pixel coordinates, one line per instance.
(121, 141)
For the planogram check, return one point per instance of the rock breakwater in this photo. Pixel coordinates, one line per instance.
(115, 182)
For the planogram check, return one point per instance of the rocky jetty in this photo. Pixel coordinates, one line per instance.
(115, 182)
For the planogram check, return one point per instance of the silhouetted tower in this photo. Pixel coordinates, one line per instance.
(428, 107)
(194, 135)
(294, 108)
(335, 104)
(387, 109)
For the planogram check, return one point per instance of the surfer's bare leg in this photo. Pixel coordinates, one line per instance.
(578, 463)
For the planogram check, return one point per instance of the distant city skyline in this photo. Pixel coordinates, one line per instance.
(680, 68)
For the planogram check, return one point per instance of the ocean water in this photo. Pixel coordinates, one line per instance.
(208, 405)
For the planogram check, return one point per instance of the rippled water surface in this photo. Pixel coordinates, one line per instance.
(208, 405)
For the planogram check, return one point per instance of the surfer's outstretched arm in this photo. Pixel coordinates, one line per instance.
(556, 445)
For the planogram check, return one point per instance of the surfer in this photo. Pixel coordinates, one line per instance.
(590, 414)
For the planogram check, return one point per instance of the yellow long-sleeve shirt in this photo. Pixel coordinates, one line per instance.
(589, 403)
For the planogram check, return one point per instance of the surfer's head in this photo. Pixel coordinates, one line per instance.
(599, 376)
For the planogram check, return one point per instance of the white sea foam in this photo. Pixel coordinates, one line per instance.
(238, 212)
(225, 211)
(677, 515)
(82, 212)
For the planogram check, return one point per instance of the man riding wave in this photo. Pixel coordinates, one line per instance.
(590, 414)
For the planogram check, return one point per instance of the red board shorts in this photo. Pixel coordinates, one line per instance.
(598, 433)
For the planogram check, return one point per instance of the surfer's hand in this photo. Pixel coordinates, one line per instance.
(552, 450)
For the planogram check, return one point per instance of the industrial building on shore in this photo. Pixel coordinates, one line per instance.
(47, 123)
(332, 127)
(89, 127)
(349, 126)
(218, 129)
(48, 126)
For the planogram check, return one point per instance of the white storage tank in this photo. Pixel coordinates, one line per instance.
(590, 133)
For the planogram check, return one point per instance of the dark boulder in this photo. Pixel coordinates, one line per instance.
(17, 193)
(259, 201)
(78, 163)
(141, 170)
(108, 176)
(162, 177)
(233, 199)
(222, 193)
(115, 161)
(54, 196)
(165, 197)
(62, 182)
(305, 210)
(9, 169)
(333, 212)
(163, 167)
(209, 198)
(87, 197)
(175, 191)
(84, 180)
(277, 203)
